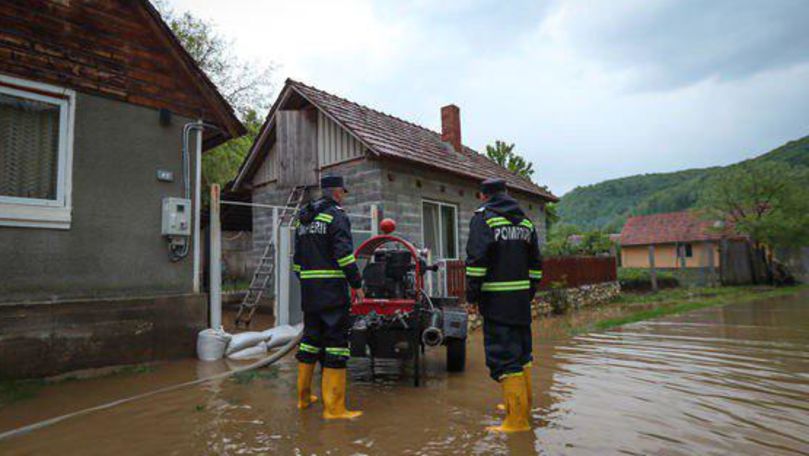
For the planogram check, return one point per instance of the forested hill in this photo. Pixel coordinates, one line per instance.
(607, 204)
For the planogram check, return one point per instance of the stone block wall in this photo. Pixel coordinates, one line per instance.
(565, 300)
(398, 190)
(363, 180)
(405, 187)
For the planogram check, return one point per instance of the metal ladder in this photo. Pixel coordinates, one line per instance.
(266, 265)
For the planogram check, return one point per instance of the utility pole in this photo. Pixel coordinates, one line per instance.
(215, 284)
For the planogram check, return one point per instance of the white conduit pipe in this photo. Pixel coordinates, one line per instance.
(260, 363)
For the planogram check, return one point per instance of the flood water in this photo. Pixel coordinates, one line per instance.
(724, 380)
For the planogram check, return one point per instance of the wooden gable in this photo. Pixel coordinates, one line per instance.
(119, 49)
(295, 143)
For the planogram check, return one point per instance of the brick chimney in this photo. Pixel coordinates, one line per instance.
(451, 126)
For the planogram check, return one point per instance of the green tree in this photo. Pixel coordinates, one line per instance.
(551, 215)
(767, 201)
(558, 242)
(247, 86)
(565, 239)
(503, 154)
(220, 165)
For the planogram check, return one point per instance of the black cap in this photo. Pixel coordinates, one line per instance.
(332, 181)
(492, 186)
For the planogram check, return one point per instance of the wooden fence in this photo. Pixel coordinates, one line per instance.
(569, 272)
(564, 272)
(456, 279)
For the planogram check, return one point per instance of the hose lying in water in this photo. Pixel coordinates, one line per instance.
(283, 351)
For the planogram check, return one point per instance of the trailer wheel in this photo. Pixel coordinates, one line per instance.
(456, 355)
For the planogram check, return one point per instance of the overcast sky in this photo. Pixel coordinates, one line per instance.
(588, 90)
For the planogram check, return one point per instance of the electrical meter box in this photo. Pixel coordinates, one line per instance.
(176, 217)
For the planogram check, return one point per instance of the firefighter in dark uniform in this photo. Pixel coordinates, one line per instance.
(503, 268)
(324, 261)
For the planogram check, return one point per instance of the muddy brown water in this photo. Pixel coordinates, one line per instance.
(724, 380)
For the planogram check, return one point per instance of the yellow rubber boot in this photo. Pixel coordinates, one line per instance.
(334, 395)
(516, 399)
(305, 396)
(529, 390)
(527, 373)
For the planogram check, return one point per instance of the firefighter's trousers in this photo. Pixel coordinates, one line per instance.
(507, 347)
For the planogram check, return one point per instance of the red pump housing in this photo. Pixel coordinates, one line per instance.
(386, 306)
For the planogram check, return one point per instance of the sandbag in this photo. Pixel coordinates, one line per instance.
(243, 340)
(280, 335)
(211, 344)
(256, 351)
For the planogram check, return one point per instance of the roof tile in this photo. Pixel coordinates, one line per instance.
(396, 138)
(668, 228)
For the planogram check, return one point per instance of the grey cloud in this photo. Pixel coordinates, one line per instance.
(678, 43)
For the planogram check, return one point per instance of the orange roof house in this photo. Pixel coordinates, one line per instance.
(680, 239)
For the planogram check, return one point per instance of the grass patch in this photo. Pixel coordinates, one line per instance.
(641, 279)
(647, 306)
(245, 378)
(642, 274)
(17, 390)
(239, 285)
(136, 369)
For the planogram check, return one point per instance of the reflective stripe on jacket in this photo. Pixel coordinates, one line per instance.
(324, 256)
(503, 262)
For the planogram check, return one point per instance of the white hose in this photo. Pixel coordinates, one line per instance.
(260, 363)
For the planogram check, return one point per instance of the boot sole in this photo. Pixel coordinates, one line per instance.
(343, 417)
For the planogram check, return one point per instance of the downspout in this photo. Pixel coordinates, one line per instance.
(197, 126)
(197, 204)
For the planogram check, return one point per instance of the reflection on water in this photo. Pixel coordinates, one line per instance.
(730, 380)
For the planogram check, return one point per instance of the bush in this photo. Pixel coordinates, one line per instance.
(641, 279)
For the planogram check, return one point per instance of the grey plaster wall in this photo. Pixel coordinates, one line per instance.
(114, 246)
(50, 338)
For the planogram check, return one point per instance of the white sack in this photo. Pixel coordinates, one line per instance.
(256, 351)
(211, 344)
(243, 340)
(280, 335)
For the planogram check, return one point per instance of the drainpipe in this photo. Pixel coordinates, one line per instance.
(197, 126)
(197, 203)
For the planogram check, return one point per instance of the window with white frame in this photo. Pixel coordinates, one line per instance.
(36, 129)
(439, 222)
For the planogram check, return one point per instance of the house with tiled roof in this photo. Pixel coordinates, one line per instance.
(98, 264)
(427, 181)
(679, 240)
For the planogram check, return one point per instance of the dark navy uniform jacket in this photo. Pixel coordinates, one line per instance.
(503, 263)
(324, 256)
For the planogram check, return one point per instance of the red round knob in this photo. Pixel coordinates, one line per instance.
(387, 226)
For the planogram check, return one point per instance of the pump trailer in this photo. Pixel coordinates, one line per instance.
(397, 318)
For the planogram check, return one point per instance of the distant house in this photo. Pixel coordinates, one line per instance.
(427, 181)
(680, 239)
(577, 239)
(94, 96)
